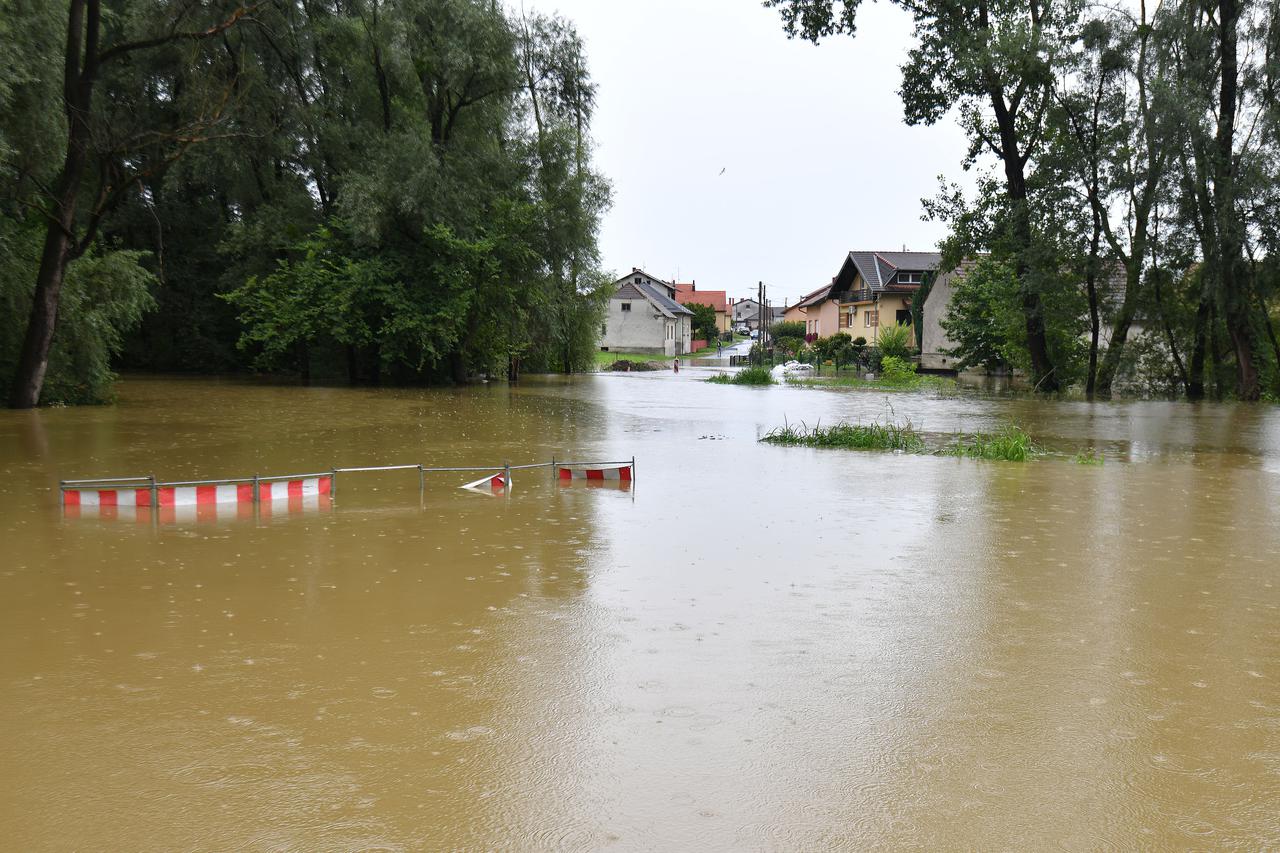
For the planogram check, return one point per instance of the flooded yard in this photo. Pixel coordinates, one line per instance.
(752, 647)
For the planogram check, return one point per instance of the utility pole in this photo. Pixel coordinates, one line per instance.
(760, 318)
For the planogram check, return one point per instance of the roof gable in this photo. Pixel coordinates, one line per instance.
(878, 269)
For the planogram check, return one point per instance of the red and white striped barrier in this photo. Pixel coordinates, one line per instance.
(596, 472)
(493, 482)
(305, 487)
(99, 498)
(200, 501)
(124, 504)
(142, 498)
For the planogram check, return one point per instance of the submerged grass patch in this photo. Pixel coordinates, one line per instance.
(746, 376)
(917, 382)
(1010, 443)
(874, 436)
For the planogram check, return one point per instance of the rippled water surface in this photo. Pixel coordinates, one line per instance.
(752, 648)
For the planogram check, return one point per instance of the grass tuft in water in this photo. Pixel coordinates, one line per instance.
(1009, 443)
(874, 436)
(746, 376)
(1090, 458)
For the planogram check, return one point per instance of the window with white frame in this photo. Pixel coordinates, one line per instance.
(871, 319)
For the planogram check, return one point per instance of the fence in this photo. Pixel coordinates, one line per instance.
(133, 494)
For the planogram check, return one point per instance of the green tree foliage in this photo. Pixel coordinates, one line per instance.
(1135, 157)
(981, 318)
(103, 298)
(787, 329)
(704, 323)
(380, 191)
(994, 61)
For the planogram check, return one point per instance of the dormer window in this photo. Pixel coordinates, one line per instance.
(910, 278)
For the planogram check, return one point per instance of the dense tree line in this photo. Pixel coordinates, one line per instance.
(1125, 226)
(378, 190)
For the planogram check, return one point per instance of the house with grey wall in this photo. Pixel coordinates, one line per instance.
(934, 342)
(644, 317)
(746, 312)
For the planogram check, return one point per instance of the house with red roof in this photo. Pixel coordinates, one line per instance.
(688, 294)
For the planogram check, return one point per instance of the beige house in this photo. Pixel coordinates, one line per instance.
(819, 310)
(876, 289)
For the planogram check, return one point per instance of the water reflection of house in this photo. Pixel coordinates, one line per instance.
(644, 317)
(688, 294)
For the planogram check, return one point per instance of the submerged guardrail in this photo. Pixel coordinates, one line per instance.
(129, 496)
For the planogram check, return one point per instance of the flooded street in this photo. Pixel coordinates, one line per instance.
(752, 648)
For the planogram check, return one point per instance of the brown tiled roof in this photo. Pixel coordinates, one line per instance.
(717, 299)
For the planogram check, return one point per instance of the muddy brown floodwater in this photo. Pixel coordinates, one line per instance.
(752, 648)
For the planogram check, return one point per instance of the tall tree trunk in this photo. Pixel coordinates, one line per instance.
(1235, 284)
(1091, 286)
(59, 246)
(1043, 372)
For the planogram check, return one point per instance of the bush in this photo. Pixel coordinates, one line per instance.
(789, 344)
(897, 371)
(895, 340)
(872, 358)
(747, 376)
(787, 329)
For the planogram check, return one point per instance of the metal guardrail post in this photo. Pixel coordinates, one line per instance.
(422, 480)
(506, 476)
(333, 484)
(256, 490)
(155, 494)
(633, 468)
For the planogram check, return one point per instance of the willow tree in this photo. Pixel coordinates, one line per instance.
(105, 156)
(995, 61)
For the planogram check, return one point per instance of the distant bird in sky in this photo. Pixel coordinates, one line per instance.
(722, 171)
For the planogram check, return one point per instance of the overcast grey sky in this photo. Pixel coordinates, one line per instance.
(816, 158)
